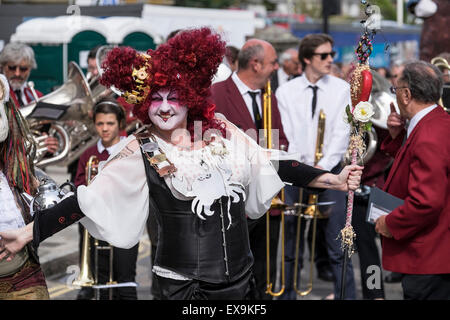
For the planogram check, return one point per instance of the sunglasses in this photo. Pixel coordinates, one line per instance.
(14, 68)
(325, 55)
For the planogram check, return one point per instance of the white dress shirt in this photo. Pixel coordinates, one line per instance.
(244, 89)
(417, 117)
(283, 77)
(294, 102)
(110, 149)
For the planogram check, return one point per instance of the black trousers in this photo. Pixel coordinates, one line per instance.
(124, 268)
(366, 247)
(426, 286)
(258, 245)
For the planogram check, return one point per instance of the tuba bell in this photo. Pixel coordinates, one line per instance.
(443, 65)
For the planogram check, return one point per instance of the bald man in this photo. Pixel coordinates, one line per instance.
(240, 99)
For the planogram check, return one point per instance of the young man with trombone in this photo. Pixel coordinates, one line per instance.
(301, 101)
(109, 119)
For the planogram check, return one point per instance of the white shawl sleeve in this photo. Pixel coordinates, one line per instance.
(264, 183)
(116, 202)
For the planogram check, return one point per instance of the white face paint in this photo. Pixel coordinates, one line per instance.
(165, 111)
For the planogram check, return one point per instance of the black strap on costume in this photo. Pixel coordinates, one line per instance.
(52, 220)
(299, 174)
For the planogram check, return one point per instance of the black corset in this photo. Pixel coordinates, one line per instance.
(210, 250)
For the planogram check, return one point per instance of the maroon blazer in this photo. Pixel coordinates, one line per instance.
(229, 102)
(420, 176)
(80, 177)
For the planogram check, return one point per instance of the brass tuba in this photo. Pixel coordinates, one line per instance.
(67, 111)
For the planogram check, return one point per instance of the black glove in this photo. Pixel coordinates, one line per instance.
(52, 220)
(299, 174)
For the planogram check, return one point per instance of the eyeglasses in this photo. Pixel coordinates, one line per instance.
(14, 68)
(394, 89)
(325, 55)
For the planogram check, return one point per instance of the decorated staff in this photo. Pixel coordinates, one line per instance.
(358, 116)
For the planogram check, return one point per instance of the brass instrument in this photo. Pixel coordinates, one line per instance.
(68, 112)
(443, 65)
(267, 117)
(311, 211)
(85, 278)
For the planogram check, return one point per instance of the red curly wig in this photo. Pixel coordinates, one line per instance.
(186, 63)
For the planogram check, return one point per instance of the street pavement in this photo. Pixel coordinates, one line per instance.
(59, 259)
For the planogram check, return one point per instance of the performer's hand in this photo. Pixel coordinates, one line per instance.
(395, 122)
(349, 178)
(12, 241)
(381, 227)
(52, 144)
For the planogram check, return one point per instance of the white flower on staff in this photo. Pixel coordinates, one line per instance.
(363, 111)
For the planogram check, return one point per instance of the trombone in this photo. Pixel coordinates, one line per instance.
(267, 126)
(311, 211)
(85, 278)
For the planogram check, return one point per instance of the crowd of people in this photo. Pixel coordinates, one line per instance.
(200, 178)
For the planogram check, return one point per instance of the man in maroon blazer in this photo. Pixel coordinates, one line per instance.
(240, 100)
(416, 235)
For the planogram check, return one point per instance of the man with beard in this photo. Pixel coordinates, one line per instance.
(16, 62)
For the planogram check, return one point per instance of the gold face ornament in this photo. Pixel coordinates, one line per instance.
(139, 76)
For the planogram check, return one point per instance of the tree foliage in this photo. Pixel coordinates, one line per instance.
(387, 8)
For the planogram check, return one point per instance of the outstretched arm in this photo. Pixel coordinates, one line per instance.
(45, 224)
(348, 179)
(302, 175)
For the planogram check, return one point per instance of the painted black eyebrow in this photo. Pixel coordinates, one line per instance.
(171, 92)
(158, 95)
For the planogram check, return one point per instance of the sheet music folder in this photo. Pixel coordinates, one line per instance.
(380, 203)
